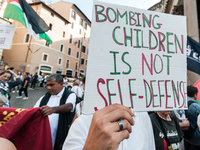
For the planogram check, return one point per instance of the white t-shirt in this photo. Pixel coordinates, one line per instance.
(77, 91)
(79, 108)
(54, 100)
(39, 78)
(65, 80)
(141, 138)
(81, 86)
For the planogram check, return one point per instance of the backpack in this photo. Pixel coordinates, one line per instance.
(78, 99)
(188, 134)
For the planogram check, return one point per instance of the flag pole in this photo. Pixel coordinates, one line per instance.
(29, 49)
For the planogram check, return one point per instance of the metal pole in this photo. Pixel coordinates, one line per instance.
(28, 49)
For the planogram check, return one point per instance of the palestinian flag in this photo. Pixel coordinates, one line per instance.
(21, 11)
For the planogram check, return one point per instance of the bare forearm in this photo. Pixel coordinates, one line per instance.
(14, 74)
(185, 124)
(25, 84)
(63, 108)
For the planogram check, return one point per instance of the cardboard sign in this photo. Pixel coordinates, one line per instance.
(137, 58)
(6, 35)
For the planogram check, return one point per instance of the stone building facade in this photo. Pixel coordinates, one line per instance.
(62, 56)
(78, 37)
(191, 9)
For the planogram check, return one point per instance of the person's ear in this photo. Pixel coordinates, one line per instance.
(195, 96)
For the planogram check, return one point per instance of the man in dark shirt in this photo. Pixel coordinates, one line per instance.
(34, 81)
(24, 86)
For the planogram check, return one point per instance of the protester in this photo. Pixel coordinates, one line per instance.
(6, 86)
(167, 132)
(39, 81)
(81, 84)
(65, 81)
(59, 105)
(193, 112)
(108, 128)
(183, 122)
(42, 82)
(34, 81)
(18, 86)
(76, 89)
(79, 106)
(24, 86)
(12, 77)
(45, 81)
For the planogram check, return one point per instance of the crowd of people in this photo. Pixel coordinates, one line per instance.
(113, 127)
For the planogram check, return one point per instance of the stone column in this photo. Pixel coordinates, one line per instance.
(190, 11)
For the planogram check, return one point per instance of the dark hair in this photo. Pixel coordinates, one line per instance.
(6, 72)
(27, 73)
(58, 78)
(191, 91)
(11, 68)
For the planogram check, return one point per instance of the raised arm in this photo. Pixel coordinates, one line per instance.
(14, 74)
(14, 83)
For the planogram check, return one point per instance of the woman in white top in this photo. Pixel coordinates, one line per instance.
(76, 89)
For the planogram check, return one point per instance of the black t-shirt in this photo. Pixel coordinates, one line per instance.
(174, 135)
(28, 79)
(35, 78)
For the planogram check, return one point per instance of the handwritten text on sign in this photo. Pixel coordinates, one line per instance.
(137, 58)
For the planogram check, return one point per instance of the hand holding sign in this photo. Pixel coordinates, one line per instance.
(104, 130)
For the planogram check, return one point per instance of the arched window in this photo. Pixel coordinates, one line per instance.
(76, 66)
(82, 73)
(27, 38)
(47, 44)
(69, 73)
(61, 47)
(79, 43)
(67, 63)
(46, 68)
(50, 26)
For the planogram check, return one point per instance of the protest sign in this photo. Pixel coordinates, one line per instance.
(6, 35)
(137, 58)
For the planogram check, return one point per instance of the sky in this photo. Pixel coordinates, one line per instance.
(86, 5)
